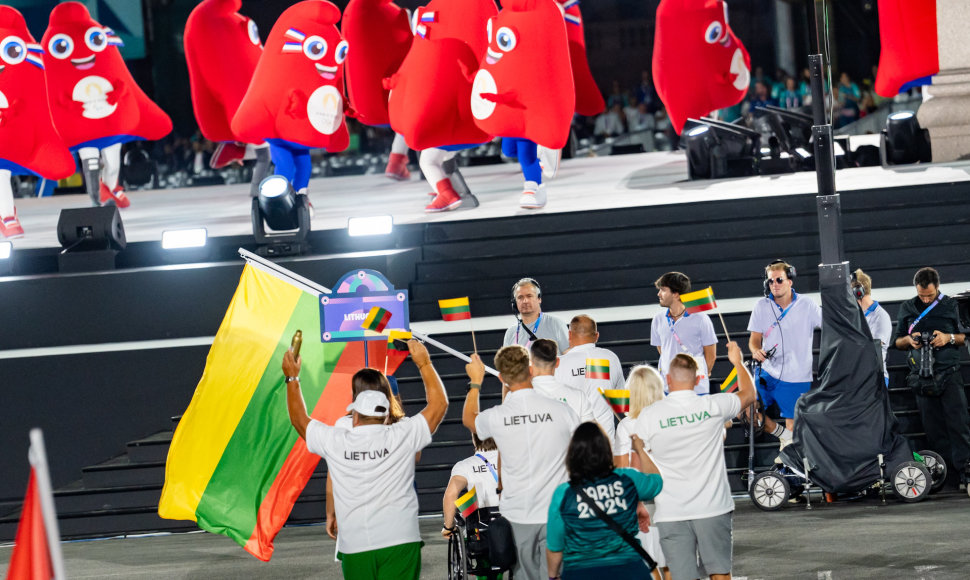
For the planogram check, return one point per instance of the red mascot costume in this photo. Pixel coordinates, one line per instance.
(699, 65)
(95, 104)
(29, 145)
(296, 98)
(380, 33)
(589, 100)
(214, 31)
(524, 90)
(910, 49)
(430, 101)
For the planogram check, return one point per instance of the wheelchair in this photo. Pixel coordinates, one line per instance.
(468, 547)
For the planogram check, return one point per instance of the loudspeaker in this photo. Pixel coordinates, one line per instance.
(91, 228)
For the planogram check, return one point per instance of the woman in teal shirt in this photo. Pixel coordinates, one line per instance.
(580, 544)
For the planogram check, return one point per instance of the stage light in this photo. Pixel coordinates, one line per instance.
(184, 238)
(716, 149)
(370, 226)
(904, 141)
(285, 213)
(91, 238)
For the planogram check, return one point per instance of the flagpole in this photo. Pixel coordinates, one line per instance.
(449, 350)
(724, 326)
(38, 458)
(474, 344)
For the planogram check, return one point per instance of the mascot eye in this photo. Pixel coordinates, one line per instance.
(13, 50)
(340, 54)
(253, 33)
(60, 46)
(714, 32)
(96, 39)
(314, 47)
(505, 39)
(489, 29)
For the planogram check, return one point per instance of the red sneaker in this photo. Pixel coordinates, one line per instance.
(227, 153)
(10, 227)
(446, 200)
(397, 167)
(117, 196)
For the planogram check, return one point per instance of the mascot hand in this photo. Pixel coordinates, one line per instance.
(502, 99)
(390, 82)
(119, 92)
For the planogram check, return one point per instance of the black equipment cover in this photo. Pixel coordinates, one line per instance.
(844, 423)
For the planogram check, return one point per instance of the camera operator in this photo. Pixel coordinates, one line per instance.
(928, 327)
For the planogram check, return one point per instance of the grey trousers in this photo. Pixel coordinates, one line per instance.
(530, 544)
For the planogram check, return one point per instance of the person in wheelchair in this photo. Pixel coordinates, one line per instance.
(478, 472)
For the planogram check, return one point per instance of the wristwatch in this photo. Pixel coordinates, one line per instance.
(953, 338)
(288, 379)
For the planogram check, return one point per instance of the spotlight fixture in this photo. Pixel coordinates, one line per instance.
(281, 218)
(903, 141)
(184, 238)
(370, 226)
(91, 238)
(716, 149)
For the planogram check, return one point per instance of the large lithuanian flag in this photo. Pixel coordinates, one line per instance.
(236, 466)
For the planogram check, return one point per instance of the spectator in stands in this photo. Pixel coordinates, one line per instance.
(880, 325)
(544, 357)
(789, 97)
(684, 435)
(646, 93)
(941, 398)
(639, 118)
(480, 471)
(646, 387)
(532, 432)
(591, 369)
(580, 543)
(805, 86)
(532, 323)
(761, 96)
(758, 77)
(379, 535)
(847, 98)
(782, 329)
(610, 122)
(617, 97)
(678, 331)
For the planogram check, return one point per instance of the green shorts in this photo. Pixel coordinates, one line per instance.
(393, 562)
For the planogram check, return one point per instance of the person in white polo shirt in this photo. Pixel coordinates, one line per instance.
(544, 361)
(531, 322)
(880, 324)
(677, 331)
(532, 433)
(373, 467)
(684, 434)
(782, 328)
(607, 372)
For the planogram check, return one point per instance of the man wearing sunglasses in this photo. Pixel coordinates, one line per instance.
(782, 326)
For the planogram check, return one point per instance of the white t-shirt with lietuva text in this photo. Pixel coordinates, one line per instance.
(576, 399)
(792, 332)
(532, 433)
(482, 475)
(373, 480)
(572, 373)
(684, 434)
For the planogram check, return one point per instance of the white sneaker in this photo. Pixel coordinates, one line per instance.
(549, 160)
(533, 196)
(782, 443)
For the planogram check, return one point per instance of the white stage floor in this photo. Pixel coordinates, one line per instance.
(583, 184)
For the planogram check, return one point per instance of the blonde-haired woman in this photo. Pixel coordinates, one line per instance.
(646, 388)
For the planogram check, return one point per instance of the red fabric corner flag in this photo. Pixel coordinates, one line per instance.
(455, 309)
(31, 557)
(377, 319)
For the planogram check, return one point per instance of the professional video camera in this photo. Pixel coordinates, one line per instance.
(926, 358)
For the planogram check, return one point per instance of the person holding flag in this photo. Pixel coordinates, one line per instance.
(683, 330)
(478, 477)
(684, 434)
(373, 467)
(592, 369)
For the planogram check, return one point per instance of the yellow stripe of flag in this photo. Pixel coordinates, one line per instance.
(453, 302)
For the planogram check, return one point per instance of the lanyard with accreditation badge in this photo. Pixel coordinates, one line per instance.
(491, 468)
(670, 321)
(925, 312)
(535, 329)
(794, 297)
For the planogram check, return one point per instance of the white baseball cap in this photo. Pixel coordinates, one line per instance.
(370, 404)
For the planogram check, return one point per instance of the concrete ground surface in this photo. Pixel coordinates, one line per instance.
(846, 540)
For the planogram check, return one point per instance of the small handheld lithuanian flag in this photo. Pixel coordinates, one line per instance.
(397, 340)
(468, 503)
(455, 309)
(619, 400)
(699, 301)
(598, 368)
(730, 384)
(376, 319)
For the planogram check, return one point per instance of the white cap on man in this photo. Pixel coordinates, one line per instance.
(370, 404)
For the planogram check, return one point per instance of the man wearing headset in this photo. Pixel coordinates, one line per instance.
(880, 324)
(532, 323)
(782, 327)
